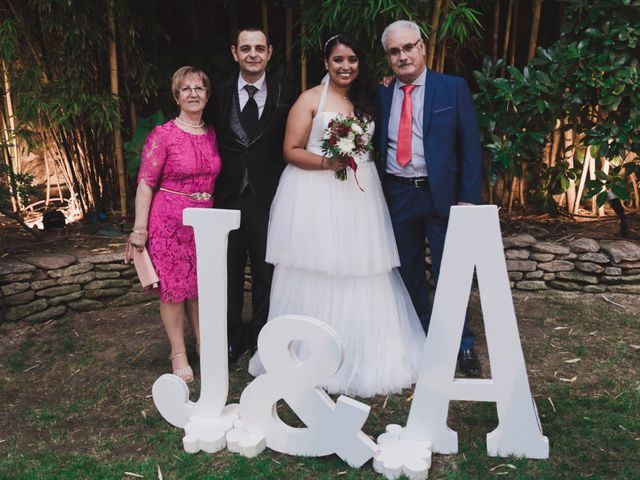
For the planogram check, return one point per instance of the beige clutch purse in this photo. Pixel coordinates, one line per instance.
(144, 268)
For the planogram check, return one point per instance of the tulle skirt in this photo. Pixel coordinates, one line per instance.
(335, 256)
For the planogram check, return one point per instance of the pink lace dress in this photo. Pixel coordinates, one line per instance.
(182, 162)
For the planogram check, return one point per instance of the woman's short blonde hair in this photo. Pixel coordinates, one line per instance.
(187, 71)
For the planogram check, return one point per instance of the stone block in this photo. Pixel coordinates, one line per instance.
(548, 247)
(594, 289)
(611, 271)
(40, 284)
(624, 289)
(114, 283)
(584, 245)
(20, 298)
(589, 267)
(69, 297)
(57, 291)
(534, 275)
(632, 271)
(39, 275)
(542, 257)
(14, 288)
(577, 277)
(51, 261)
(517, 254)
(133, 298)
(557, 266)
(15, 277)
(594, 257)
(109, 267)
(621, 250)
(515, 275)
(568, 286)
(82, 278)
(106, 258)
(14, 266)
(103, 275)
(86, 305)
(568, 256)
(48, 314)
(531, 285)
(131, 272)
(21, 311)
(518, 240)
(547, 277)
(106, 292)
(629, 265)
(620, 279)
(521, 265)
(72, 270)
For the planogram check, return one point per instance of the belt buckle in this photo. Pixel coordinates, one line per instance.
(200, 196)
(418, 182)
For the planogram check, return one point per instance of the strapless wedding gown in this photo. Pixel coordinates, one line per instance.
(336, 260)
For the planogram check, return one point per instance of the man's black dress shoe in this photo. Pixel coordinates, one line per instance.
(468, 363)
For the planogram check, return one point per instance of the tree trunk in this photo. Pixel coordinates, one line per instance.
(535, 26)
(583, 180)
(113, 64)
(496, 30)
(569, 152)
(435, 21)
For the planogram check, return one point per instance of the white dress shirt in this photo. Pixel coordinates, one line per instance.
(417, 167)
(260, 96)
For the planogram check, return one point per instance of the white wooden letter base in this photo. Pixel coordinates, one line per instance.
(474, 241)
(206, 421)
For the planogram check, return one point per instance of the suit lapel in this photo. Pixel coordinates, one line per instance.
(429, 94)
(235, 125)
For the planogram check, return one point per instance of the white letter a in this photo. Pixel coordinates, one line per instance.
(474, 242)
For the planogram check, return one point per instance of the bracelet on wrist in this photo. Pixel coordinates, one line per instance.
(139, 232)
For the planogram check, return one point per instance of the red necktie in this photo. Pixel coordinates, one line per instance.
(403, 154)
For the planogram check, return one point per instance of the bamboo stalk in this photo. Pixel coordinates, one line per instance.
(535, 26)
(521, 185)
(113, 64)
(435, 21)
(496, 30)
(303, 57)
(514, 32)
(507, 33)
(569, 152)
(605, 168)
(265, 17)
(288, 14)
(512, 190)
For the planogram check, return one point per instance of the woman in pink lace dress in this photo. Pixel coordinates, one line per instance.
(180, 162)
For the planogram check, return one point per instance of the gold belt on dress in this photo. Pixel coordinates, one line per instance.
(193, 196)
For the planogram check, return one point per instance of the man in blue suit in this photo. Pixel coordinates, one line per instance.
(429, 158)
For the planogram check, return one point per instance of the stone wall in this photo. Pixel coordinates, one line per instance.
(580, 264)
(42, 287)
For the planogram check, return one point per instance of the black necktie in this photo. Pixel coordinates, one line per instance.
(250, 112)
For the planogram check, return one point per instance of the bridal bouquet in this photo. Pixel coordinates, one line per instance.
(345, 138)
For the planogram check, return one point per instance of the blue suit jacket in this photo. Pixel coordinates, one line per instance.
(451, 140)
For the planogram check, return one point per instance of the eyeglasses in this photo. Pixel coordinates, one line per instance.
(197, 90)
(394, 53)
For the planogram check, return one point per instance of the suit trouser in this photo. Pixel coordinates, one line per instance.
(414, 217)
(250, 240)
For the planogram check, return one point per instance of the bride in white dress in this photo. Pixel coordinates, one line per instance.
(332, 242)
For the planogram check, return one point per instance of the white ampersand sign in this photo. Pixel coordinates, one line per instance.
(330, 427)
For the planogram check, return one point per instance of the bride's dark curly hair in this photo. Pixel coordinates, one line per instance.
(359, 93)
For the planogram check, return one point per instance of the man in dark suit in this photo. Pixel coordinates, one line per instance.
(429, 159)
(250, 112)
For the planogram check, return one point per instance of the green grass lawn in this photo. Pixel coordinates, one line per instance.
(76, 401)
